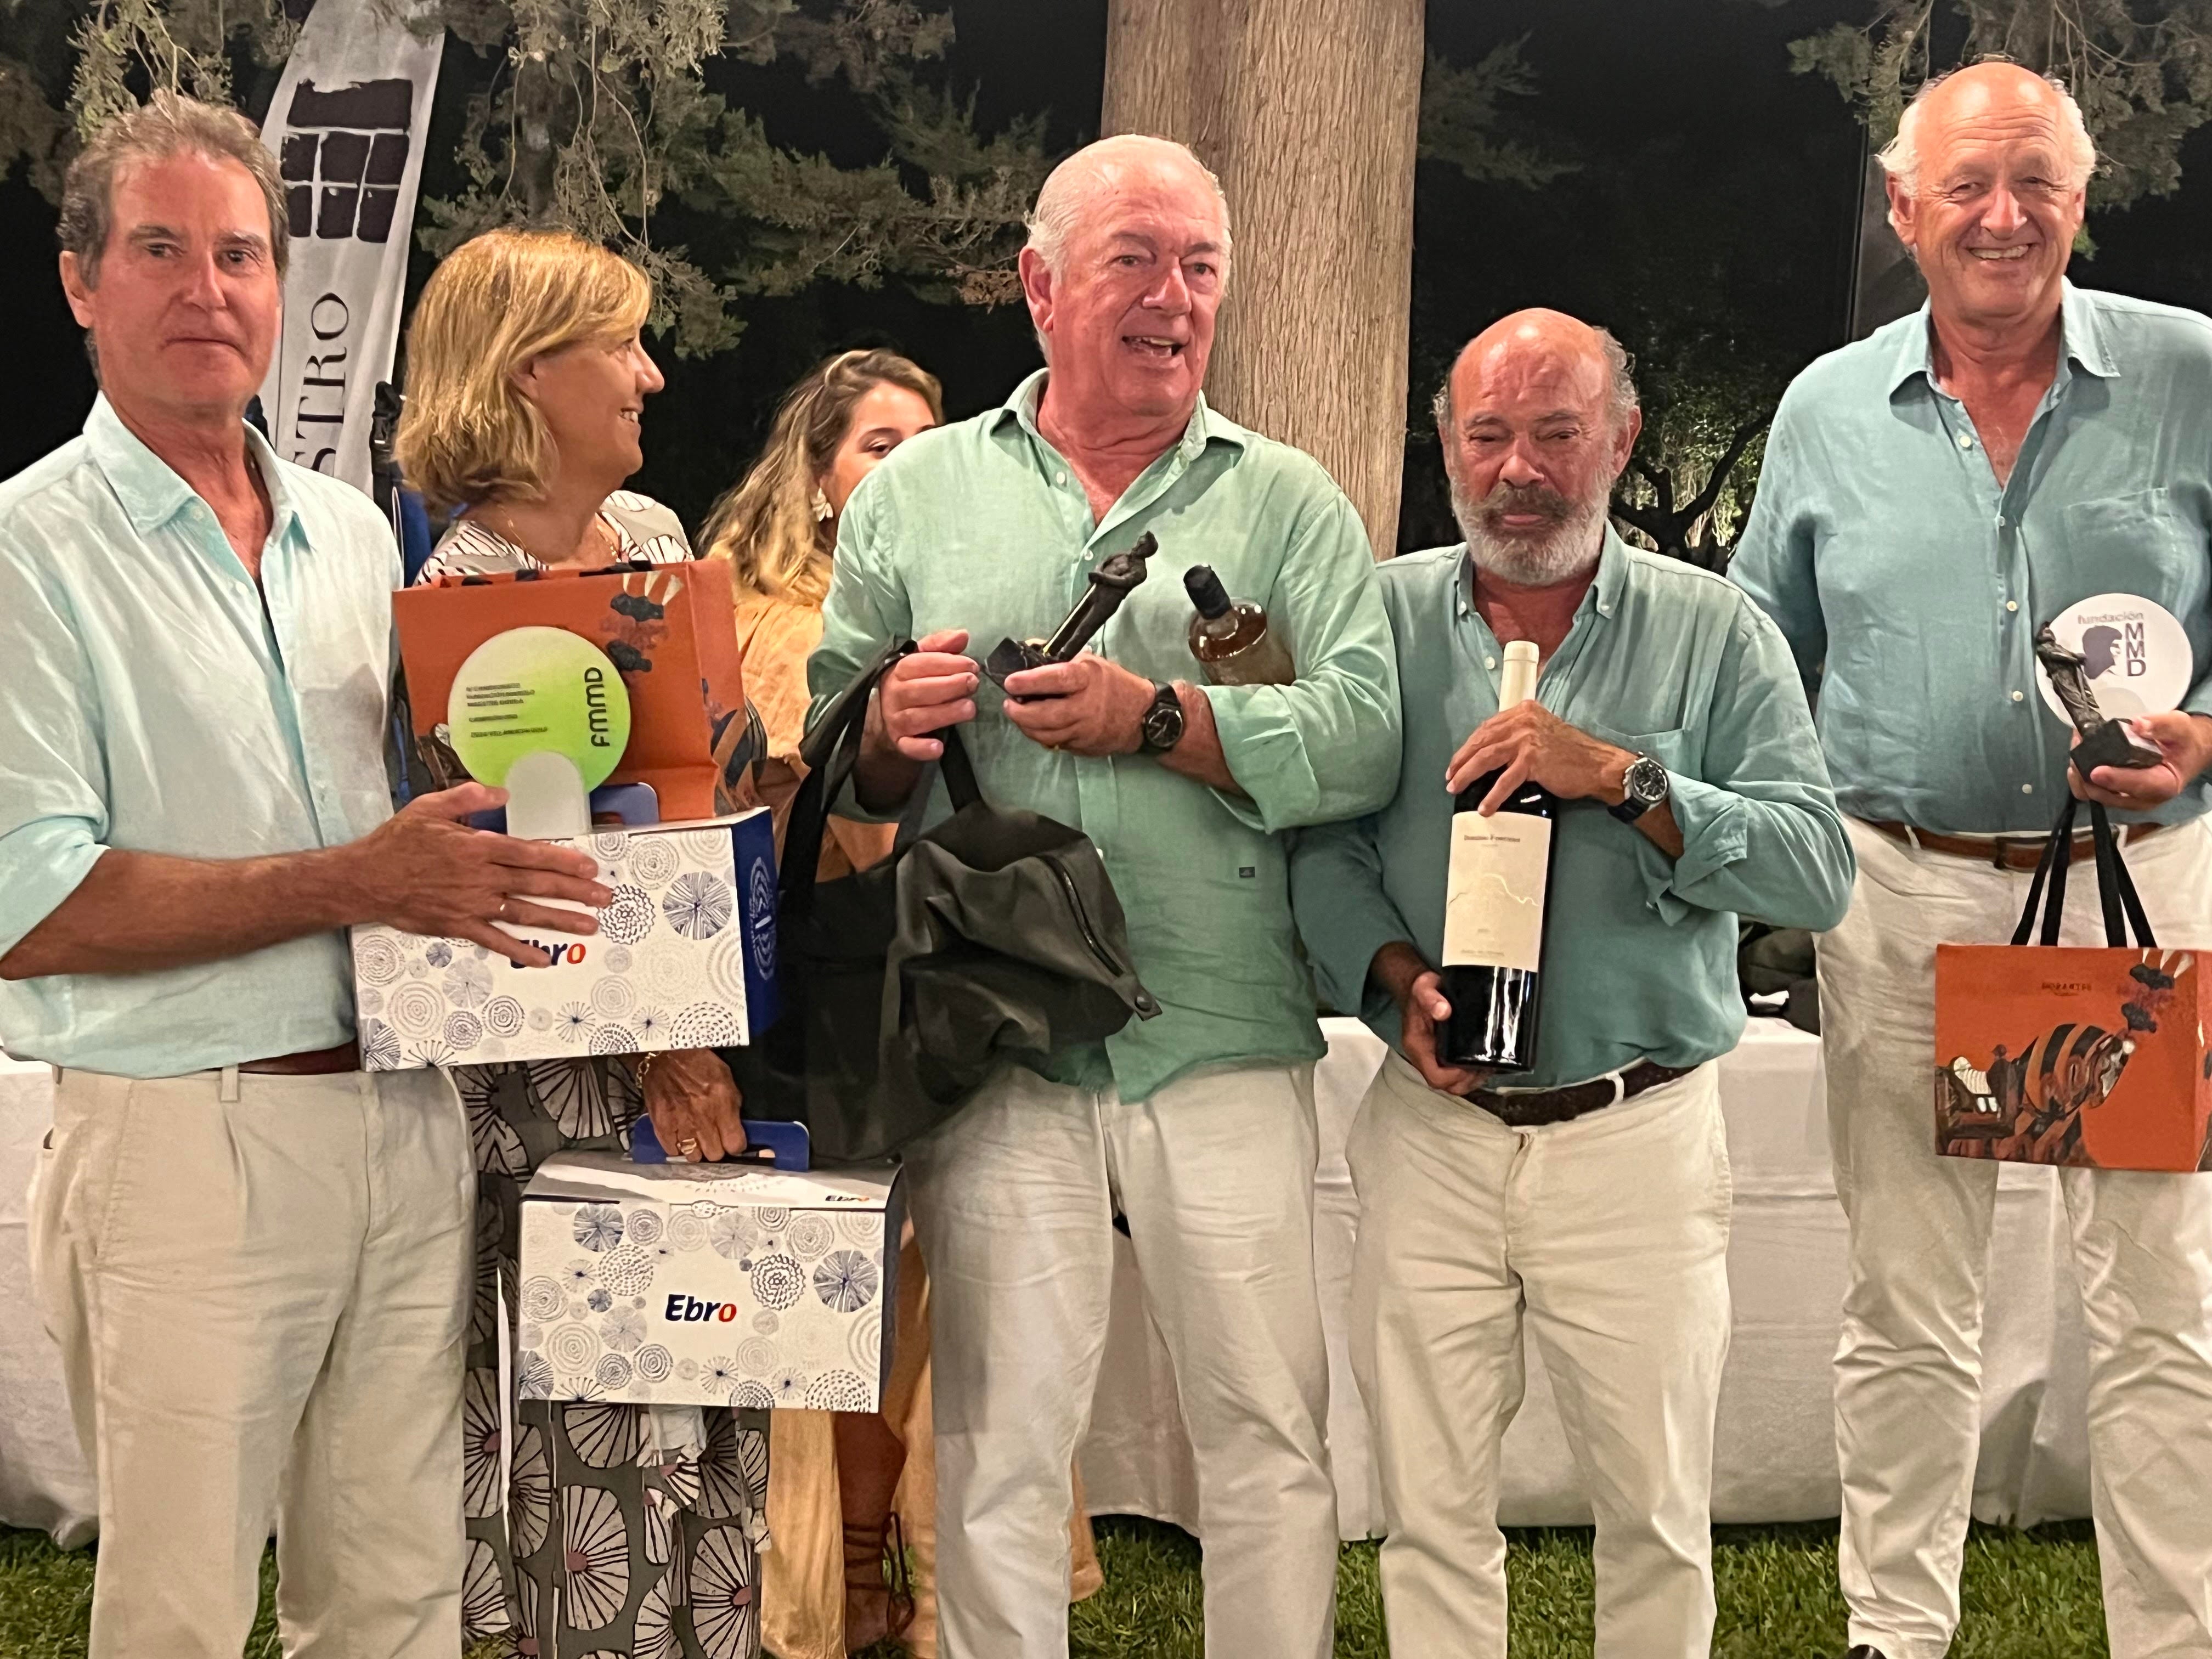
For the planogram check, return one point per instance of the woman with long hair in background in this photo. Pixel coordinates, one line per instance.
(526, 382)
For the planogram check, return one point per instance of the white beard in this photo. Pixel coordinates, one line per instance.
(1569, 549)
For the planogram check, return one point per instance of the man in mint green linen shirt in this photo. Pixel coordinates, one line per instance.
(1588, 1198)
(1196, 1126)
(1932, 496)
(252, 1254)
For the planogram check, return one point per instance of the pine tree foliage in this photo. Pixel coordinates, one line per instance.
(1461, 116)
(2141, 70)
(598, 115)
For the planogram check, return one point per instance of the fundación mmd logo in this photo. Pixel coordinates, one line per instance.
(344, 158)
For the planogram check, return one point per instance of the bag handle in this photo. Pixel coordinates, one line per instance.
(2116, 889)
(831, 751)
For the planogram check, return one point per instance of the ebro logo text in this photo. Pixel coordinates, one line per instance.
(691, 1311)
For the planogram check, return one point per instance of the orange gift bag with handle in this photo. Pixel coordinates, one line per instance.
(2095, 1057)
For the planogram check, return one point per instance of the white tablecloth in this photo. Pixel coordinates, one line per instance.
(1776, 1459)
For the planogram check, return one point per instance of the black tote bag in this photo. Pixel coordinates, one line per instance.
(994, 936)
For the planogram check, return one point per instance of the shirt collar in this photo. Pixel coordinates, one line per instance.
(2080, 341)
(153, 492)
(1205, 426)
(1604, 591)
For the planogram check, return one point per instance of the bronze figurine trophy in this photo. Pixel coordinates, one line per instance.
(1110, 585)
(2104, 741)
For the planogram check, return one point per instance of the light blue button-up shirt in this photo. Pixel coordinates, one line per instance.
(159, 701)
(1639, 949)
(1882, 543)
(983, 526)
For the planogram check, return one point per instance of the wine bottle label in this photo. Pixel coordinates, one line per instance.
(1494, 892)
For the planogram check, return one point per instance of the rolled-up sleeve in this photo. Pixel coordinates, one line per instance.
(1325, 747)
(53, 810)
(1761, 836)
(1774, 560)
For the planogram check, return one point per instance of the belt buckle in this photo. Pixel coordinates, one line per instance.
(1999, 844)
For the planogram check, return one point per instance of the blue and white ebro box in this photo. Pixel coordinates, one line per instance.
(684, 958)
(708, 1283)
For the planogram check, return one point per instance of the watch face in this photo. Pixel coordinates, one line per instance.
(1163, 721)
(1646, 781)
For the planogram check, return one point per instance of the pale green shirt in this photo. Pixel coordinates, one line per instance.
(1911, 584)
(1639, 949)
(982, 525)
(159, 701)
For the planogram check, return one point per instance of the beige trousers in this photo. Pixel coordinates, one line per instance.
(1013, 1202)
(1908, 1370)
(259, 1285)
(1604, 1238)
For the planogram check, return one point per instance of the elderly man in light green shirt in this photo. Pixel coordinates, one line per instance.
(1198, 1125)
(1932, 496)
(1588, 1196)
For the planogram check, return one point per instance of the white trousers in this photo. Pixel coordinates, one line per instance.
(1608, 1235)
(1908, 1371)
(259, 1285)
(1013, 1202)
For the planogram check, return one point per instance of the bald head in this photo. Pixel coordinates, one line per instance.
(1080, 189)
(2003, 98)
(1570, 349)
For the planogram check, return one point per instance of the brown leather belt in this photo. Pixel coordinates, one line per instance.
(1528, 1108)
(345, 1057)
(2002, 852)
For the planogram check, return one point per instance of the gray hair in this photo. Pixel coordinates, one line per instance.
(1073, 186)
(170, 125)
(1901, 156)
(1621, 400)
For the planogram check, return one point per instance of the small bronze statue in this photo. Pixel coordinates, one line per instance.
(1110, 585)
(2104, 741)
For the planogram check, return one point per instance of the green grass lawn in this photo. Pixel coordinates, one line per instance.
(2029, 1595)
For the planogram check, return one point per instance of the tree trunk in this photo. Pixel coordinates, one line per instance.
(1308, 109)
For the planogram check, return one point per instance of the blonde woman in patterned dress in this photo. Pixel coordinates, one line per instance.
(527, 378)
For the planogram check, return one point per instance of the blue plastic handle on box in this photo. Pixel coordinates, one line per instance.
(768, 1141)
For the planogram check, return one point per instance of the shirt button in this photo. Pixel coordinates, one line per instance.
(1490, 662)
(1964, 442)
(2027, 789)
(1060, 478)
(2019, 696)
(2001, 521)
(2012, 605)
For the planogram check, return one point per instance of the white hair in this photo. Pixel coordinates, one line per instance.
(1077, 183)
(1901, 156)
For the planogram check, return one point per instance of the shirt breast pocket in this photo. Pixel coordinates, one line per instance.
(2146, 543)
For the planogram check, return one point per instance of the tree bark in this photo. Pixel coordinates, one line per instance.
(1308, 111)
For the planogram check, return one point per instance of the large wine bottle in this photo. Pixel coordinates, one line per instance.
(1496, 900)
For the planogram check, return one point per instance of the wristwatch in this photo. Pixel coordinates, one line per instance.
(1646, 785)
(1163, 726)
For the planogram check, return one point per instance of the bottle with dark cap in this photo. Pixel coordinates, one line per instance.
(1232, 642)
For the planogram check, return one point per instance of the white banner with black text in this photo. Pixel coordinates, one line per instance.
(347, 126)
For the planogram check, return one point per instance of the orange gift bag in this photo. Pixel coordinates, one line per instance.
(2095, 1057)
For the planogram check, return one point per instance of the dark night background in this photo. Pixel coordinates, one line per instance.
(1708, 224)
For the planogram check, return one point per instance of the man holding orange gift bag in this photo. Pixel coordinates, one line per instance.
(1934, 496)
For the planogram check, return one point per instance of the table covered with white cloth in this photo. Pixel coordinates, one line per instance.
(1775, 1448)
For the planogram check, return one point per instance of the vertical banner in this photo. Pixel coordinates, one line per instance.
(346, 125)
(1886, 284)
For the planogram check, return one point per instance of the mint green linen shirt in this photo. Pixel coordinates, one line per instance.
(1639, 949)
(158, 701)
(1882, 544)
(982, 525)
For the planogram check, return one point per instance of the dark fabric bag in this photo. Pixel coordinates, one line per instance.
(994, 936)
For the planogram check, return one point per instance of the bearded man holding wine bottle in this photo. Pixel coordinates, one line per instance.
(1571, 869)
